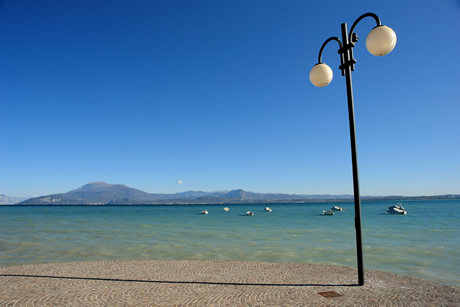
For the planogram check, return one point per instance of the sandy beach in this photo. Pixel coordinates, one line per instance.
(212, 283)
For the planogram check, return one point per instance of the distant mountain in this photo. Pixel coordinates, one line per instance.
(240, 195)
(101, 193)
(96, 193)
(10, 200)
(104, 192)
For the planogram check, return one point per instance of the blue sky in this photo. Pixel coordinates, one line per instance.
(216, 94)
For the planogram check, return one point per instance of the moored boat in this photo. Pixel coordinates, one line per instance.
(328, 212)
(396, 209)
(336, 208)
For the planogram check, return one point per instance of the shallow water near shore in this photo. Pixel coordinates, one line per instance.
(425, 243)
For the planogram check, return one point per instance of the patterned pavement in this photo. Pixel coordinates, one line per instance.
(212, 283)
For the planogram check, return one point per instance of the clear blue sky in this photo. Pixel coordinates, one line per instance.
(217, 94)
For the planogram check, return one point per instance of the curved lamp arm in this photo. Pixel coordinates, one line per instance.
(324, 45)
(377, 20)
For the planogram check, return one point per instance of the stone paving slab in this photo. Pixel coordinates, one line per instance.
(212, 283)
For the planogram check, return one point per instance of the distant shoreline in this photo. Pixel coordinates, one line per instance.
(233, 202)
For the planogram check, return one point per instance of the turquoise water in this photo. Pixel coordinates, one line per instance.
(425, 243)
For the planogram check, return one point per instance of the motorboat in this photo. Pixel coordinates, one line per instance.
(226, 209)
(204, 212)
(396, 209)
(328, 212)
(250, 213)
(268, 209)
(336, 208)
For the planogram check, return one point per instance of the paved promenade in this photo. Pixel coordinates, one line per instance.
(212, 283)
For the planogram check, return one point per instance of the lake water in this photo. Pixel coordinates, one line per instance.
(425, 243)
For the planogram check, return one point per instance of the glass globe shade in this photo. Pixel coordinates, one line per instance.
(381, 40)
(321, 75)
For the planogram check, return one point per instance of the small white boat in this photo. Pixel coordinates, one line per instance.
(328, 212)
(204, 212)
(336, 208)
(250, 213)
(268, 209)
(226, 209)
(396, 209)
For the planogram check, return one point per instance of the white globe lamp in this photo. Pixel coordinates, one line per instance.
(321, 75)
(381, 40)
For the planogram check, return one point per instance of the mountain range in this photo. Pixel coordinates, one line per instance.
(101, 193)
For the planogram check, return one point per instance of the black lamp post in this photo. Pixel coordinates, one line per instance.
(380, 41)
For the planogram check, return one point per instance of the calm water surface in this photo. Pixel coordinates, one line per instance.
(425, 243)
